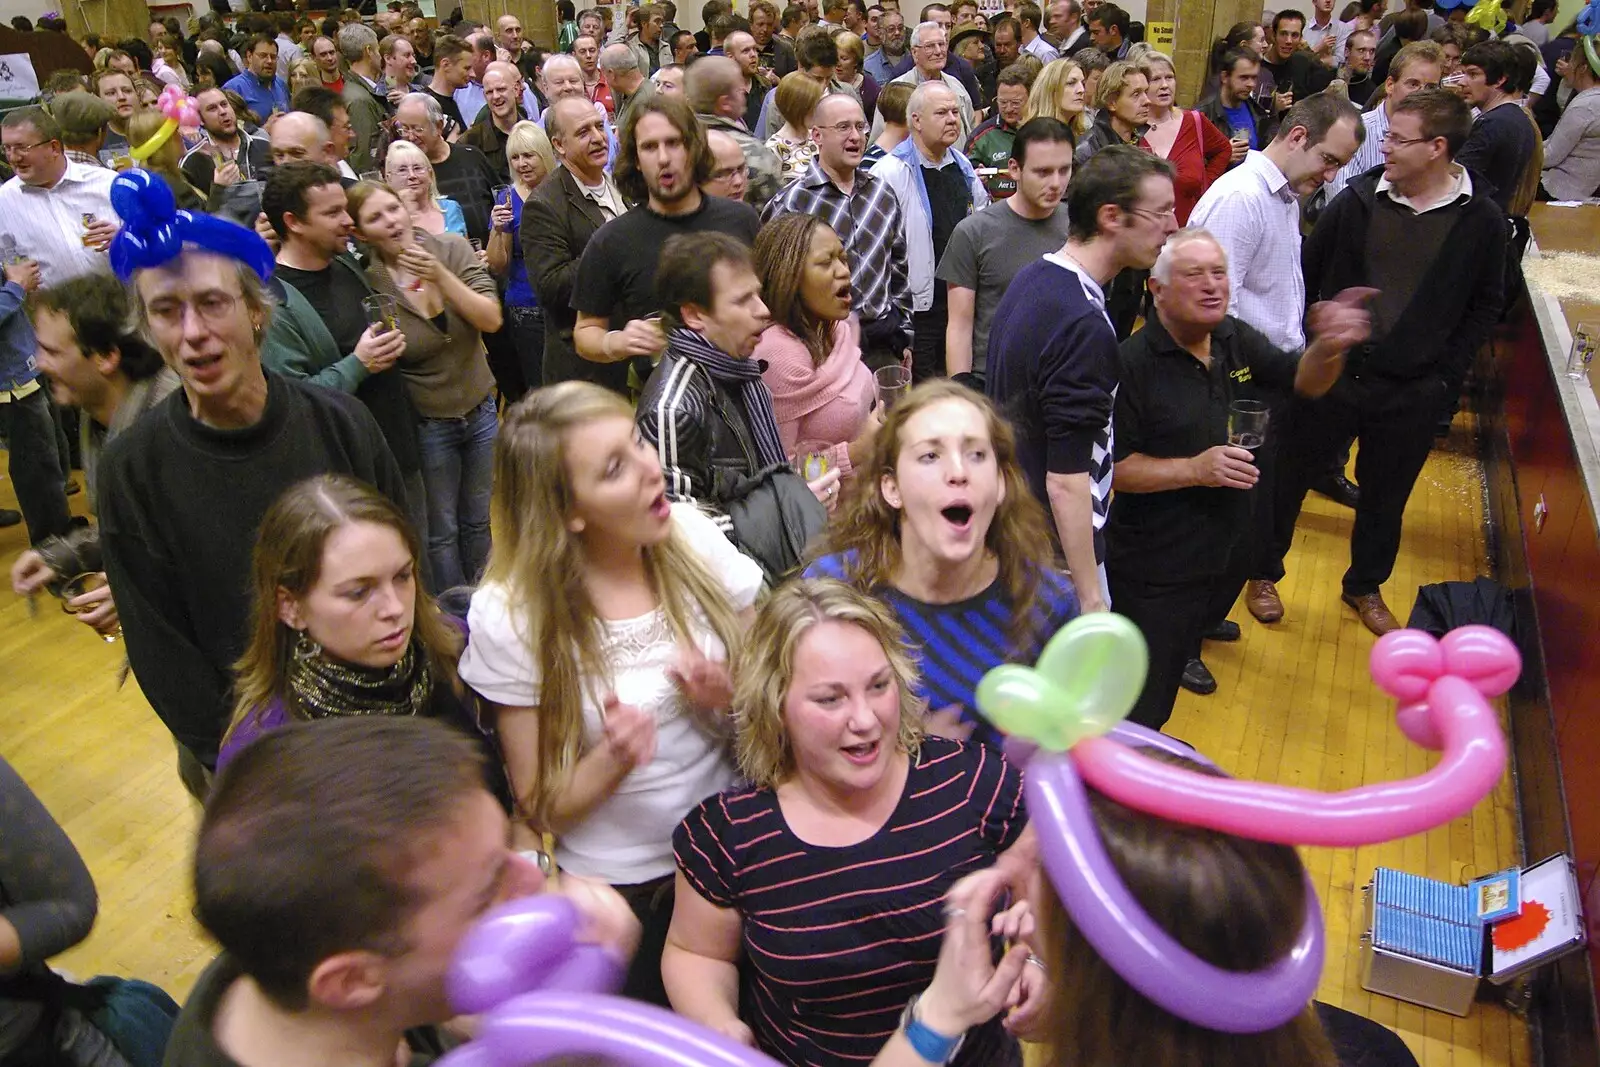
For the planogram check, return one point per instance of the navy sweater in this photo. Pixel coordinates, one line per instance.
(1498, 149)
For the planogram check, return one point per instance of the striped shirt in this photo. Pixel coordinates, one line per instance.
(959, 643)
(837, 940)
(868, 223)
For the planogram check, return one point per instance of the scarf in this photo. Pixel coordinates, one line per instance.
(741, 376)
(321, 687)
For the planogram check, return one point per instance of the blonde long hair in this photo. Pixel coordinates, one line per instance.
(866, 532)
(288, 557)
(1044, 99)
(539, 562)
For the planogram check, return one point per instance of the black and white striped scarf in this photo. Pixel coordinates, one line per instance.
(737, 375)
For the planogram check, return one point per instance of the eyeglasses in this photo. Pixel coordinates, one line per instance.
(844, 129)
(1155, 216)
(12, 150)
(214, 307)
(727, 173)
(1400, 142)
(403, 128)
(406, 170)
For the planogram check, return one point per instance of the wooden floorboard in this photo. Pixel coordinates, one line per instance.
(1295, 705)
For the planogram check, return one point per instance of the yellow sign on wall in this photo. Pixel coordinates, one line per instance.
(1160, 35)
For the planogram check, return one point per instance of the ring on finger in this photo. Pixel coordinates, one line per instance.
(1037, 962)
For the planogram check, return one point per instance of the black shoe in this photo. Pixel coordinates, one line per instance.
(1340, 490)
(1226, 630)
(1197, 678)
(9, 517)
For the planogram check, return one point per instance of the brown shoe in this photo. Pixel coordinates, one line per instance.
(1261, 597)
(1374, 613)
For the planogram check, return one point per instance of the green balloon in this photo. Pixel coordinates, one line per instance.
(1087, 680)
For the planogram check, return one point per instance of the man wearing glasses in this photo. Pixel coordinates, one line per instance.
(1431, 240)
(464, 174)
(58, 221)
(863, 210)
(930, 51)
(1253, 211)
(1053, 364)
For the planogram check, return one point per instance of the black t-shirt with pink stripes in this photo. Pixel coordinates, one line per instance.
(837, 940)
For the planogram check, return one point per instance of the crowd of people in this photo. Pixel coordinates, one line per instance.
(641, 451)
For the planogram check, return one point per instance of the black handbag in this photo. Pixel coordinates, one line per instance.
(774, 513)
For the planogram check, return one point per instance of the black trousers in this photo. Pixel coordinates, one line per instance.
(927, 344)
(526, 327)
(1393, 424)
(652, 906)
(37, 472)
(1172, 616)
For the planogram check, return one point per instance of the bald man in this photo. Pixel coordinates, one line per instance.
(301, 138)
(716, 88)
(502, 110)
(730, 176)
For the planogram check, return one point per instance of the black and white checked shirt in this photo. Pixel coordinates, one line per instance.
(869, 226)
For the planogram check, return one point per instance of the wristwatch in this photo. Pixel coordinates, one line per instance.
(927, 1042)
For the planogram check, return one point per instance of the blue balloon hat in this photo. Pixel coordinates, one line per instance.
(154, 231)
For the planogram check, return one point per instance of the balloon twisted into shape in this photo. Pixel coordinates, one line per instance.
(1072, 706)
(154, 231)
(544, 994)
(180, 110)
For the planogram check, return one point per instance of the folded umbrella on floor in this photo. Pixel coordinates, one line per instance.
(1446, 605)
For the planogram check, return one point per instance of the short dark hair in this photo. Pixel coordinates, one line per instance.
(1442, 114)
(97, 308)
(255, 41)
(676, 110)
(1234, 56)
(712, 8)
(1015, 74)
(816, 48)
(63, 81)
(1028, 13)
(1008, 23)
(792, 14)
(1527, 62)
(1111, 17)
(286, 188)
(1538, 8)
(43, 123)
(683, 274)
(1041, 130)
(565, 11)
(22, 24)
(1319, 113)
(1497, 60)
(892, 101)
(1410, 24)
(320, 101)
(1110, 176)
(1091, 59)
(1287, 15)
(307, 836)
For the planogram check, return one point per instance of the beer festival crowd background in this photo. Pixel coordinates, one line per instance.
(627, 461)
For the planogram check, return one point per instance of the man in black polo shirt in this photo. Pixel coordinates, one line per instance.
(1175, 554)
(662, 162)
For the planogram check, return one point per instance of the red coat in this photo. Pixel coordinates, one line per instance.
(1199, 154)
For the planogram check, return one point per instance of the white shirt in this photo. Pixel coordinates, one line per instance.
(47, 224)
(1461, 186)
(288, 52)
(1255, 216)
(627, 839)
(914, 78)
(605, 196)
(1369, 155)
(1041, 48)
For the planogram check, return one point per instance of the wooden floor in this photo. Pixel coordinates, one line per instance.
(1295, 705)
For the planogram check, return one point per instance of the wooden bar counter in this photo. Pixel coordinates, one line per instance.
(1542, 441)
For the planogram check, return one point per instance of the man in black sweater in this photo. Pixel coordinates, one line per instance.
(1503, 138)
(1434, 246)
(183, 490)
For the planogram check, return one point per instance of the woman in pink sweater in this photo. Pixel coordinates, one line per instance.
(821, 391)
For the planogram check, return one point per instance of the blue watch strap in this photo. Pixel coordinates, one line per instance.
(927, 1042)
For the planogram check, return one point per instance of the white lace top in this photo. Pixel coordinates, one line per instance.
(628, 838)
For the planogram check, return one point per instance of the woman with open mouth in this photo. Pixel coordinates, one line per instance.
(822, 394)
(827, 873)
(343, 624)
(598, 635)
(940, 524)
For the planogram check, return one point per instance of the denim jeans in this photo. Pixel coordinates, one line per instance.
(37, 472)
(458, 470)
(526, 326)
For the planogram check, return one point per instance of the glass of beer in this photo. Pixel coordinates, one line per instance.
(381, 312)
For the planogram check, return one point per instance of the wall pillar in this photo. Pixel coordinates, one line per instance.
(1196, 24)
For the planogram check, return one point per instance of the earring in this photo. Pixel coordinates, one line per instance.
(304, 647)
